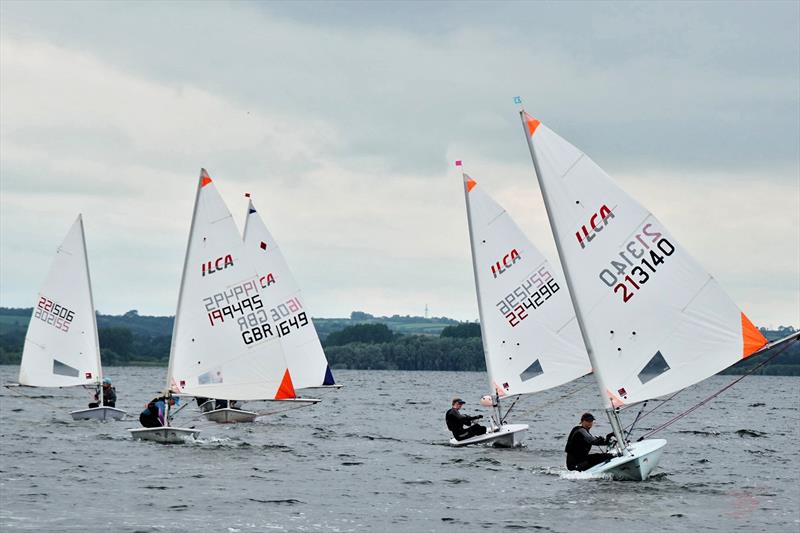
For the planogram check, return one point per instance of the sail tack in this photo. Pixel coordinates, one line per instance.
(531, 339)
(227, 337)
(306, 360)
(657, 322)
(61, 343)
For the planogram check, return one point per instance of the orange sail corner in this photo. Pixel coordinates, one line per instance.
(752, 339)
(532, 124)
(286, 390)
(205, 179)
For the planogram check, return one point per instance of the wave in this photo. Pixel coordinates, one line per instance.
(699, 432)
(750, 433)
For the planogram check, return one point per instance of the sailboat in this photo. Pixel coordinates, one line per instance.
(61, 345)
(225, 339)
(531, 340)
(302, 349)
(307, 362)
(652, 319)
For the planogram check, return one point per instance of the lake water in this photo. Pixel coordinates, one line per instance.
(373, 457)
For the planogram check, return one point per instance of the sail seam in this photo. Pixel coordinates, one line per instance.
(564, 175)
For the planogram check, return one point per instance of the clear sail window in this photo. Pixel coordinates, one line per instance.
(62, 369)
(654, 368)
(532, 371)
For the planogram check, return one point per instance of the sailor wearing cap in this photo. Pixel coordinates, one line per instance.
(109, 395)
(580, 442)
(460, 424)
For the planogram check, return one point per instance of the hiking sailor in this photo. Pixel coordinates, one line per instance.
(109, 395)
(460, 424)
(580, 442)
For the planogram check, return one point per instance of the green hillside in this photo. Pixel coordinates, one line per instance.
(362, 341)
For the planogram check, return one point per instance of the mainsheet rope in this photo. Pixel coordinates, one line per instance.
(542, 405)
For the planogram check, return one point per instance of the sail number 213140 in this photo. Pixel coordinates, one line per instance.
(642, 255)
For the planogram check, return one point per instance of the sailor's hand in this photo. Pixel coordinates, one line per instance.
(610, 436)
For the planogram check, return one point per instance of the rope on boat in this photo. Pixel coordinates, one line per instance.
(298, 406)
(540, 406)
(705, 401)
(629, 429)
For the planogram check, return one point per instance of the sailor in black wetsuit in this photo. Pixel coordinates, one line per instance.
(460, 424)
(580, 442)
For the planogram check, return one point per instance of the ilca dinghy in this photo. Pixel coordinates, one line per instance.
(281, 295)
(225, 341)
(61, 345)
(652, 319)
(531, 340)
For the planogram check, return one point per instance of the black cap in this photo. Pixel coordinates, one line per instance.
(458, 400)
(587, 416)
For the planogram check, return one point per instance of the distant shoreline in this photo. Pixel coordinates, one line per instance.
(360, 342)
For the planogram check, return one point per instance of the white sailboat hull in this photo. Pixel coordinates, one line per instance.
(636, 464)
(230, 416)
(98, 413)
(506, 436)
(165, 435)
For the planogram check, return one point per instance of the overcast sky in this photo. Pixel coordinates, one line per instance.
(344, 119)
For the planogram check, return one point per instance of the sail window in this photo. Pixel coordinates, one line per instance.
(62, 369)
(210, 378)
(654, 368)
(532, 371)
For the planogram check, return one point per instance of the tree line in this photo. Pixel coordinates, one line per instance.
(367, 343)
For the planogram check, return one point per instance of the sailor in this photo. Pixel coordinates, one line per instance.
(154, 412)
(460, 424)
(580, 442)
(109, 395)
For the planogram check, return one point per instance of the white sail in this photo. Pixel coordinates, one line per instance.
(225, 343)
(531, 338)
(61, 348)
(654, 319)
(307, 362)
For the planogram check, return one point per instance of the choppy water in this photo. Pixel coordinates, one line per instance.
(372, 457)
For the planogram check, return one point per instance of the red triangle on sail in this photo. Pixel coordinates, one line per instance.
(532, 124)
(752, 339)
(470, 184)
(286, 390)
(205, 179)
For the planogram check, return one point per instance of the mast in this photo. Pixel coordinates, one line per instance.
(495, 396)
(247, 215)
(613, 418)
(168, 387)
(94, 313)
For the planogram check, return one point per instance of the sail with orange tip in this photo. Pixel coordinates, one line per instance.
(655, 321)
(530, 336)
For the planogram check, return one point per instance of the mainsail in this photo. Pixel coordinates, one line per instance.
(61, 346)
(531, 338)
(280, 293)
(654, 320)
(226, 337)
